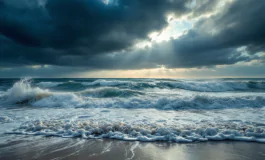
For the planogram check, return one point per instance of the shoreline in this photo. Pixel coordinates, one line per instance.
(39, 147)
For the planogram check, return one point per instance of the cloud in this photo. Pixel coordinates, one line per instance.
(96, 35)
(89, 24)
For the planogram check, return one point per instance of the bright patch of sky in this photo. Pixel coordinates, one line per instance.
(175, 28)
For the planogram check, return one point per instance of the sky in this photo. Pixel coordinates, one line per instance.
(132, 38)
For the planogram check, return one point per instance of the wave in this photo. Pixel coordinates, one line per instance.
(200, 86)
(107, 92)
(142, 131)
(22, 93)
(114, 97)
(62, 86)
(49, 84)
(107, 83)
(215, 86)
(99, 82)
(162, 103)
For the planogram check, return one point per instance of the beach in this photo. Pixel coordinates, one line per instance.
(132, 80)
(43, 148)
(132, 119)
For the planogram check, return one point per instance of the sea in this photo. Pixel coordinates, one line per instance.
(169, 110)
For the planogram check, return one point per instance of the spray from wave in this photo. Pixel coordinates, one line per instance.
(22, 92)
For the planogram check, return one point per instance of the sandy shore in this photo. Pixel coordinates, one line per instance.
(37, 147)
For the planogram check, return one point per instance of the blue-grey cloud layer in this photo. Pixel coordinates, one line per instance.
(91, 34)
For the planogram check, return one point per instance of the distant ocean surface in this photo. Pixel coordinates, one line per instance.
(173, 110)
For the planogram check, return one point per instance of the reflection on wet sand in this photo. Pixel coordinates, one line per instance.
(23, 147)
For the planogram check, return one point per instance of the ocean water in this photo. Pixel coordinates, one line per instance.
(173, 110)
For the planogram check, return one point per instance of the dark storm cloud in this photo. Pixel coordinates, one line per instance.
(241, 23)
(88, 33)
(91, 24)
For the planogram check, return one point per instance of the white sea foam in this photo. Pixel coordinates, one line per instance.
(141, 131)
(245, 124)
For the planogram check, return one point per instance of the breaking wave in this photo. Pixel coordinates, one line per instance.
(22, 92)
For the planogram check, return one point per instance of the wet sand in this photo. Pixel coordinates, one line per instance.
(43, 148)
